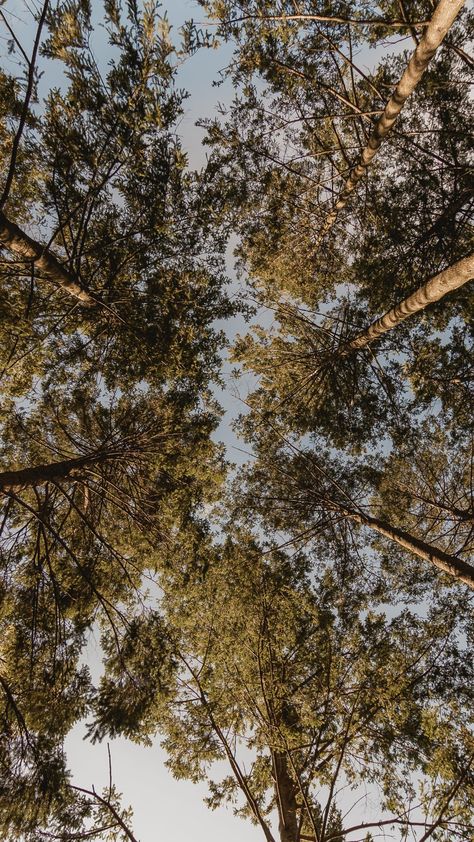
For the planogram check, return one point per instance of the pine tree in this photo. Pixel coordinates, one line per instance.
(434, 289)
(443, 18)
(106, 414)
(281, 673)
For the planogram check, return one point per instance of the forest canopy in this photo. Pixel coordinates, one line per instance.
(295, 632)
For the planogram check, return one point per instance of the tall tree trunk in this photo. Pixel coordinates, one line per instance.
(286, 799)
(434, 289)
(17, 241)
(53, 472)
(443, 18)
(450, 564)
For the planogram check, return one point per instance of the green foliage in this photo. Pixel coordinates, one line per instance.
(303, 114)
(122, 387)
(142, 666)
(285, 627)
(284, 672)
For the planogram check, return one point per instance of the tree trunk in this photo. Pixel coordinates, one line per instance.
(53, 472)
(286, 799)
(450, 564)
(443, 18)
(434, 289)
(17, 241)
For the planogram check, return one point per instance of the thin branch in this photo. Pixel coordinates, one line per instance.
(107, 803)
(25, 108)
(395, 24)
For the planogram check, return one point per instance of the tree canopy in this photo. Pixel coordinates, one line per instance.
(298, 632)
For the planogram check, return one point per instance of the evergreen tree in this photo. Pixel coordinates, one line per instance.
(343, 661)
(285, 675)
(106, 414)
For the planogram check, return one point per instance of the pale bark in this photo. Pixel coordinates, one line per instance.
(433, 290)
(14, 481)
(446, 562)
(443, 18)
(17, 241)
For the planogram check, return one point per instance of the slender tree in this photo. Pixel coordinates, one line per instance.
(54, 471)
(298, 695)
(18, 242)
(289, 141)
(309, 495)
(443, 18)
(103, 206)
(106, 414)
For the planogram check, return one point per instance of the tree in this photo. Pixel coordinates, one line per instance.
(102, 404)
(428, 485)
(81, 538)
(443, 18)
(285, 148)
(305, 670)
(288, 143)
(431, 291)
(280, 672)
(41, 258)
(308, 494)
(126, 224)
(306, 386)
(323, 373)
(106, 414)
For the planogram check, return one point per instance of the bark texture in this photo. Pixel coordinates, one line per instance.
(434, 289)
(14, 481)
(17, 241)
(286, 799)
(443, 18)
(450, 564)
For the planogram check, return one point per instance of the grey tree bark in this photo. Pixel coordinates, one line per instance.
(286, 799)
(443, 18)
(433, 290)
(17, 241)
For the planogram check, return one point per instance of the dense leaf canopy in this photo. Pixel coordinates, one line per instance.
(297, 633)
